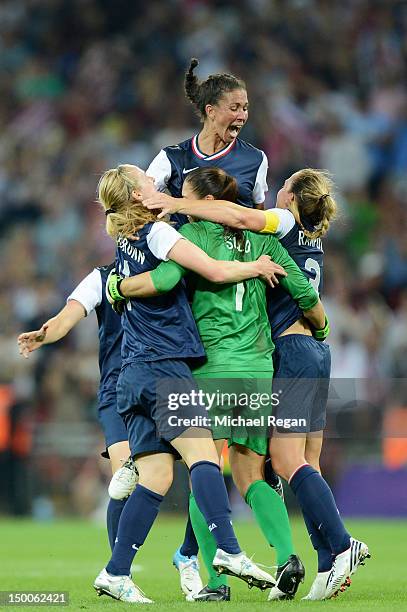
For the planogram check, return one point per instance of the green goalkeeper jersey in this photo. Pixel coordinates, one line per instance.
(232, 318)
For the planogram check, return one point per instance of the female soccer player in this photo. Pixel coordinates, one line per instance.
(90, 295)
(222, 104)
(159, 340)
(305, 208)
(234, 327)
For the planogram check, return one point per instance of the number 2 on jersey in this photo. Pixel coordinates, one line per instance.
(311, 265)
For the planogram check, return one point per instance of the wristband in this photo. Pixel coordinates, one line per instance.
(322, 334)
(114, 288)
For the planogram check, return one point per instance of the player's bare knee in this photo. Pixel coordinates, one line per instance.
(156, 476)
(280, 468)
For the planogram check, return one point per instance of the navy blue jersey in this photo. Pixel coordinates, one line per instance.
(308, 254)
(240, 159)
(160, 327)
(91, 294)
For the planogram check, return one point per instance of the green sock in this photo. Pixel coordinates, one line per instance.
(271, 516)
(207, 543)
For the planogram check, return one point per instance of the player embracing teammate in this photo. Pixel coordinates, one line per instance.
(305, 207)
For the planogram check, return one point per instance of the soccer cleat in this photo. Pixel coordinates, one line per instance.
(240, 566)
(318, 587)
(119, 587)
(359, 552)
(188, 567)
(289, 576)
(348, 562)
(338, 574)
(273, 479)
(124, 480)
(221, 593)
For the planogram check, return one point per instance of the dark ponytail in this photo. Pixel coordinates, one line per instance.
(209, 91)
(191, 85)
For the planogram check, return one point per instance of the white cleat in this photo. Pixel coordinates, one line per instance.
(188, 567)
(339, 573)
(240, 566)
(359, 552)
(124, 480)
(318, 587)
(119, 587)
(348, 562)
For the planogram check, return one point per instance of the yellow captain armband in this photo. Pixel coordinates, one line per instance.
(272, 222)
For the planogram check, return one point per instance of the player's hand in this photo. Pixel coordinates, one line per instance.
(167, 203)
(31, 341)
(268, 270)
(322, 334)
(113, 293)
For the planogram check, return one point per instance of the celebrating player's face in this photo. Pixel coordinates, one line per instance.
(285, 195)
(145, 184)
(229, 115)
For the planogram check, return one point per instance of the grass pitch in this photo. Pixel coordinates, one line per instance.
(67, 555)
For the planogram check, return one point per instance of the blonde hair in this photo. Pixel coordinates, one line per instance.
(313, 200)
(124, 215)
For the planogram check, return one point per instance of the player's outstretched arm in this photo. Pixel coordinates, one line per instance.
(218, 211)
(168, 274)
(137, 286)
(52, 330)
(190, 256)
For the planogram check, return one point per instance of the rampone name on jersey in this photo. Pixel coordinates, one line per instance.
(316, 243)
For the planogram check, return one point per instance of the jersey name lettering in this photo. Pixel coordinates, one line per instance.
(304, 241)
(127, 248)
(232, 244)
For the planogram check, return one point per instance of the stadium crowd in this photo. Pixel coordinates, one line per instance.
(88, 84)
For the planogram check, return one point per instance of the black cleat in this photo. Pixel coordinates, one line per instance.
(273, 479)
(289, 576)
(222, 593)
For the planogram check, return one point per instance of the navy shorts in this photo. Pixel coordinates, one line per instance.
(113, 426)
(152, 420)
(302, 367)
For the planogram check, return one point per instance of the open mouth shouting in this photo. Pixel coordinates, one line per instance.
(234, 129)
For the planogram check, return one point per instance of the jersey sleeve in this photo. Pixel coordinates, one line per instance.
(88, 292)
(161, 239)
(167, 275)
(260, 185)
(160, 169)
(279, 222)
(295, 283)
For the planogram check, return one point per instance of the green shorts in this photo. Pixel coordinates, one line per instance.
(240, 404)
